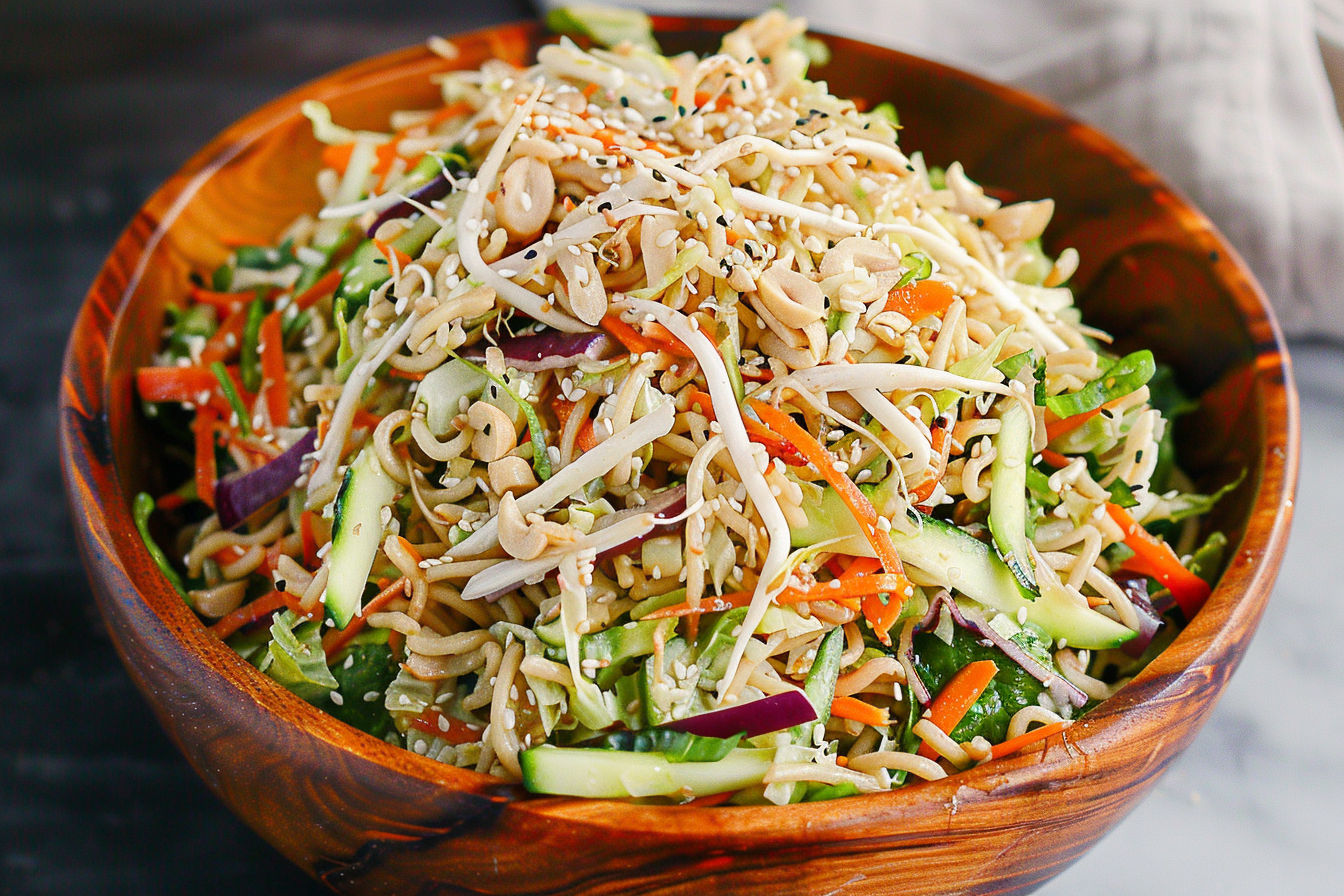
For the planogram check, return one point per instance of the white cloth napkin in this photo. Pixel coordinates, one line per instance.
(1228, 99)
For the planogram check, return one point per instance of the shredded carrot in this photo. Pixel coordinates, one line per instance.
(338, 156)
(653, 338)
(958, 696)
(1054, 458)
(247, 614)
(586, 440)
(203, 429)
(309, 537)
(707, 605)
(392, 254)
(363, 419)
(324, 286)
(1156, 559)
(920, 299)
(436, 723)
(337, 638)
(774, 445)
(590, 90)
(857, 502)
(1014, 744)
(224, 301)
(1056, 428)
(224, 343)
(414, 376)
(275, 381)
(855, 586)
(858, 711)
(174, 383)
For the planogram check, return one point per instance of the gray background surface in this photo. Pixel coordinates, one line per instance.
(99, 107)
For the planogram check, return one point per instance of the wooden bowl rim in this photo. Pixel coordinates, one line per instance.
(1236, 602)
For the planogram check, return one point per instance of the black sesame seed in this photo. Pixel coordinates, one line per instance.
(658, 176)
(681, 110)
(625, 101)
(658, 118)
(723, 222)
(530, 254)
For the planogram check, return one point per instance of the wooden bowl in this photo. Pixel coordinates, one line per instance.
(367, 817)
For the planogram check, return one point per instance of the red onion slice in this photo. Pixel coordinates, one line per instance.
(242, 494)
(437, 188)
(664, 505)
(773, 713)
(553, 350)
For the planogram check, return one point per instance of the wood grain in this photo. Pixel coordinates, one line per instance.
(366, 817)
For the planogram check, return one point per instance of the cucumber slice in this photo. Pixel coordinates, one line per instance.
(1008, 495)
(597, 773)
(820, 683)
(441, 391)
(969, 566)
(356, 534)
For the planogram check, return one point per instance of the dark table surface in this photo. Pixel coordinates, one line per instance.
(102, 101)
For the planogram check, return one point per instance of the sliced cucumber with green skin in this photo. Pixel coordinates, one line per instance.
(969, 566)
(655, 690)
(612, 774)
(714, 647)
(820, 683)
(367, 268)
(441, 392)
(1008, 494)
(356, 534)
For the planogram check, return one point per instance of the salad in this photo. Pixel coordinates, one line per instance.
(657, 428)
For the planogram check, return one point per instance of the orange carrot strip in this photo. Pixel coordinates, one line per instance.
(174, 383)
(958, 696)
(310, 558)
(224, 301)
(337, 638)
(857, 502)
(203, 428)
(858, 711)
(1056, 428)
(224, 343)
(453, 730)
(707, 605)
(1054, 458)
(247, 614)
(1157, 559)
(274, 380)
(392, 254)
(855, 586)
(324, 286)
(1012, 745)
(920, 299)
(338, 156)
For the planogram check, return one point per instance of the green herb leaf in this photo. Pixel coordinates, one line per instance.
(141, 509)
(1121, 378)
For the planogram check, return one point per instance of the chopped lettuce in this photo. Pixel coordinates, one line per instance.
(295, 658)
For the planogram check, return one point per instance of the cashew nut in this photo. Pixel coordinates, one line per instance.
(793, 298)
(859, 252)
(526, 195)
(1020, 221)
(583, 286)
(515, 535)
(495, 434)
(510, 474)
(527, 538)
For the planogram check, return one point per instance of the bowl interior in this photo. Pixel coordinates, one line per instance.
(1153, 271)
